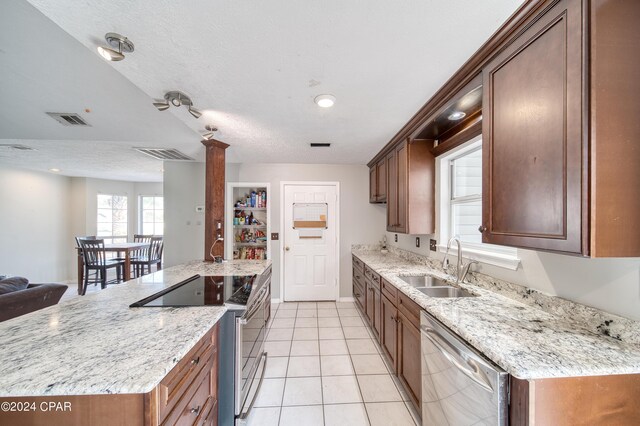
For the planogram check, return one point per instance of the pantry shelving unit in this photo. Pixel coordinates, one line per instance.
(247, 240)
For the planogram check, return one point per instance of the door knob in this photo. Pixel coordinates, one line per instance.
(482, 228)
(286, 248)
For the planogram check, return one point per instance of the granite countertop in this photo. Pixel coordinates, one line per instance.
(96, 344)
(526, 341)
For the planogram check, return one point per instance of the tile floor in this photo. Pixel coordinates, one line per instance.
(324, 368)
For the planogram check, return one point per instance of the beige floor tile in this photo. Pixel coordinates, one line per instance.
(305, 334)
(352, 312)
(278, 348)
(332, 333)
(361, 346)
(329, 322)
(369, 364)
(276, 367)
(378, 388)
(288, 305)
(307, 313)
(304, 366)
(345, 305)
(306, 322)
(345, 415)
(307, 305)
(351, 322)
(327, 313)
(302, 391)
(283, 323)
(333, 347)
(270, 394)
(276, 334)
(286, 313)
(302, 416)
(304, 348)
(264, 416)
(340, 390)
(336, 365)
(389, 414)
(326, 305)
(356, 333)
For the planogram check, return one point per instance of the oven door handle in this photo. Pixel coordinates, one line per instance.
(244, 414)
(248, 316)
(453, 355)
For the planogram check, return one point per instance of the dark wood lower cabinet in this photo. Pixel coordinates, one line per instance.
(389, 330)
(409, 368)
(370, 300)
(376, 325)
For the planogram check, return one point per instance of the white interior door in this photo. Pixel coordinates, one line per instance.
(310, 254)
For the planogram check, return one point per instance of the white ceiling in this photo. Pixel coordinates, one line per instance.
(254, 67)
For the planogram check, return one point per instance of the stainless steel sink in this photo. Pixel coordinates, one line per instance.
(423, 281)
(445, 291)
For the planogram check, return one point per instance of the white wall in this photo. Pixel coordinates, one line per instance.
(612, 285)
(358, 218)
(35, 230)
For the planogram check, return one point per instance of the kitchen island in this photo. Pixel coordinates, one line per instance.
(97, 347)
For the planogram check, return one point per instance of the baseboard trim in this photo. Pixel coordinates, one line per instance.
(346, 299)
(275, 300)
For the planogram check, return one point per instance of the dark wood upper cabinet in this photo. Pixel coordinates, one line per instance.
(532, 136)
(411, 188)
(373, 184)
(378, 182)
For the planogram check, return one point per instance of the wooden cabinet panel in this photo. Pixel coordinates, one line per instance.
(392, 191)
(373, 184)
(403, 188)
(369, 302)
(377, 320)
(381, 175)
(409, 368)
(389, 330)
(532, 136)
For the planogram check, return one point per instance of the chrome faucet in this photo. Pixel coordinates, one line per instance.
(461, 269)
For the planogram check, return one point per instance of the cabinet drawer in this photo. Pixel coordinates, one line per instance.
(358, 275)
(174, 386)
(358, 264)
(198, 407)
(390, 291)
(409, 309)
(372, 276)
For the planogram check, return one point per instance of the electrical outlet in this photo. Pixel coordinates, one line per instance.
(395, 237)
(432, 245)
(275, 236)
(417, 241)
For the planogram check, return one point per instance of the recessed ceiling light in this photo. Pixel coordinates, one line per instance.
(456, 115)
(54, 170)
(325, 101)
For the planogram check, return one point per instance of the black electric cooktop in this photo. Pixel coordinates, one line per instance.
(202, 291)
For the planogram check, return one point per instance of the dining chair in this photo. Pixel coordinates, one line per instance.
(139, 254)
(153, 256)
(95, 260)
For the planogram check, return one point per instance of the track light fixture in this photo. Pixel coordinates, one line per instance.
(116, 41)
(177, 99)
(210, 131)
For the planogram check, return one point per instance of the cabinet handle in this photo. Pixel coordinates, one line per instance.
(195, 361)
(195, 410)
(482, 228)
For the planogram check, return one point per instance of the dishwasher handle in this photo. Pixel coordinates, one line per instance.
(455, 357)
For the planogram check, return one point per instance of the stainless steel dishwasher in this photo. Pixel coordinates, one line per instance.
(459, 385)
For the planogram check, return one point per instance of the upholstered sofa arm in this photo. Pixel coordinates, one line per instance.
(33, 298)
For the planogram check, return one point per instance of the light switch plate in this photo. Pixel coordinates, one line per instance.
(417, 241)
(199, 209)
(432, 245)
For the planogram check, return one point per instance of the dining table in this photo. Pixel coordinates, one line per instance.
(118, 248)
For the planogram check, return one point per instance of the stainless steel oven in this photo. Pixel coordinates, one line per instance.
(459, 385)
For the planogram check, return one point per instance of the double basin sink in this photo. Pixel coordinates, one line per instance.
(434, 287)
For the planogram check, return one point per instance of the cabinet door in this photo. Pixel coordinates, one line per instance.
(381, 171)
(409, 369)
(373, 184)
(532, 136)
(369, 303)
(392, 191)
(402, 176)
(389, 330)
(377, 320)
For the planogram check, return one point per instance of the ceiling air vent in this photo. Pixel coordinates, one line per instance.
(320, 145)
(16, 146)
(165, 154)
(68, 118)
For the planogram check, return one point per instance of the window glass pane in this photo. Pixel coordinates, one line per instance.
(120, 216)
(104, 201)
(104, 215)
(104, 229)
(119, 202)
(147, 202)
(112, 217)
(147, 216)
(159, 216)
(158, 203)
(467, 217)
(120, 229)
(467, 174)
(159, 229)
(147, 228)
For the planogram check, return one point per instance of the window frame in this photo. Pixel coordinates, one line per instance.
(141, 210)
(111, 238)
(503, 256)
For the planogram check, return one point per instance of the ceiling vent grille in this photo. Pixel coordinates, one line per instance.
(320, 145)
(165, 154)
(16, 147)
(68, 118)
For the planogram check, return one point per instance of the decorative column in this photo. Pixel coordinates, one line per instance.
(214, 197)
